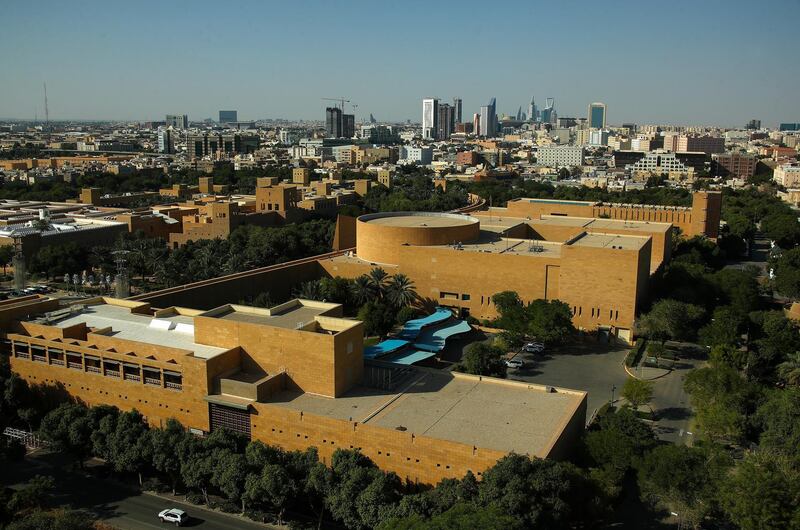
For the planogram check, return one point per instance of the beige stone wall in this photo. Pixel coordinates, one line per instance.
(382, 243)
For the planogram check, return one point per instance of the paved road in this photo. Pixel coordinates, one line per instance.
(589, 366)
(122, 506)
(671, 405)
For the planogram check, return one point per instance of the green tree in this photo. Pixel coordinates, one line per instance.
(400, 291)
(69, 429)
(615, 444)
(229, 475)
(538, 493)
(549, 320)
(725, 327)
(129, 448)
(6, 255)
(164, 443)
(461, 516)
(32, 495)
(789, 370)
(359, 494)
(361, 291)
(482, 359)
(378, 317)
(671, 319)
(762, 493)
(783, 228)
(720, 397)
(59, 519)
(683, 479)
(778, 418)
(787, 273)
(637, 392)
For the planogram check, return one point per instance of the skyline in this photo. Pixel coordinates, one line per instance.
(277, 61)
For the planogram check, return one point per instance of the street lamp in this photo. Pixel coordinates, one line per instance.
(613, 388)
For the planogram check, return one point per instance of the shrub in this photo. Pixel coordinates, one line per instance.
(195, 498)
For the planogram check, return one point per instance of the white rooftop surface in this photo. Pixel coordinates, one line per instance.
(176, 331)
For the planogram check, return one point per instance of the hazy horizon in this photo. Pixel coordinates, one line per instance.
(697, 63)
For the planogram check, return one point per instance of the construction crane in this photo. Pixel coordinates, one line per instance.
(342, 100)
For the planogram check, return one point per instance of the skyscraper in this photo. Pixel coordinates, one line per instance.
(333, 122)
(166, 140)
(488, 125)
(430, 118)
(532, 112)
(177, 121)
(597, 115)
(457, 110)
(348, 125)
(228, 116)
(476, 123)
(548, 114)
(446, 121)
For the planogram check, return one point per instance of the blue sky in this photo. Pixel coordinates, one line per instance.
(690, 62)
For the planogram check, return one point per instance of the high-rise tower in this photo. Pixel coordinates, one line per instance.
(597, 115)
(430, 118)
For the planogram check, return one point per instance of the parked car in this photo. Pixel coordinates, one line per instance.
(533, 347)
(514, 363)
(173, 515)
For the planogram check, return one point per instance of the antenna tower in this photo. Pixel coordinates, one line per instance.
(46, 112)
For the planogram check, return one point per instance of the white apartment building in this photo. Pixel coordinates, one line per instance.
(787, 176)
(660, 162)
(560, 156)
(416, 155)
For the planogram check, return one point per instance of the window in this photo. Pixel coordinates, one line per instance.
(465, 297)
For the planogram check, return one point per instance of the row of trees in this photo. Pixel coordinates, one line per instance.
(414, 192)
(156, 265)
(257, 479)
(501, 191)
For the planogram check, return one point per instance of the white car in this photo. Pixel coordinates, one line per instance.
(533, 347)
(173, 515)
(514, 363)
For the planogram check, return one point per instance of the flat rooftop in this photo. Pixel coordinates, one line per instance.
(418, 219)
(294, 314)
(556, 201)
(175, 331)
(623, 242)
(286, 319)
(513, 417)
(491, 242)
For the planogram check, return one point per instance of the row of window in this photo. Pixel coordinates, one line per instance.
(613, 314)
(387, 454)
(148, 375)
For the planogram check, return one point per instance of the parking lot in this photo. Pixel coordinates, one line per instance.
(582, 365)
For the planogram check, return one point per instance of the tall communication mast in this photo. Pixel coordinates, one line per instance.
(46, 113)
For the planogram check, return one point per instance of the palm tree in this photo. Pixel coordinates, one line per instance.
(789, 370)
(310, 290)
(361, 290)
(400, 291)
(377, 279)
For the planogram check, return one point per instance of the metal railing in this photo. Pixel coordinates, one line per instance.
(93, 369)
(152, 381)
(40, 358)
(57, 362)
(76, 366)
(112, 373)
(173, 386)
(132, 377)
